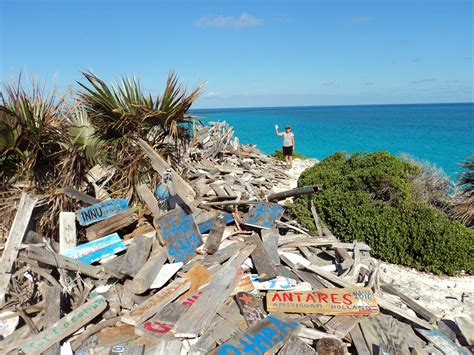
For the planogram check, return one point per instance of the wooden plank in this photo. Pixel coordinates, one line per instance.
(97, 249)
(52, 313)
(178, 234)
(182, 188)
(263, 215)
(266, 337)
(67, 230)
(199, 277)
(359, 341)
(60, 261)
(295, 346)
(381, 330)
(148, 272)
(149, 199)
(280, 283)
(101, 211)
(127, 349)
(111, 225)
(156, 302)
(441, 341)
(332, 301)
(270, 243)
(466, 326)
(342, 325)
(81, 196)
(384, 303)
(249, 308)
(261, 260)
(14, 239)
(167, 347)
(196, 319)
(317, 223)
(215, 236)
(329, 276)
(415, 306)
(65, 326)
(136, 255)
(165, 274)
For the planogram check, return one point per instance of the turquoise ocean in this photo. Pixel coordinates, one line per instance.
(440, 133)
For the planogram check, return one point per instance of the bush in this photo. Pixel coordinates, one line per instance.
(279, 155)
(372, 198)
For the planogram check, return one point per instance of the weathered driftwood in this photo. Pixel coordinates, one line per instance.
(15, 236)
(111, 225)
(136, 255)
(148, 272)
(300, 191)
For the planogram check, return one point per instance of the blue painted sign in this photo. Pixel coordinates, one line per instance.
(265, 337)
(101, 211)
(263, 215)
(179, 234)
(97, 249)
(206, 226)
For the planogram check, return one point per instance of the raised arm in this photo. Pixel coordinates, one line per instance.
(276, 131)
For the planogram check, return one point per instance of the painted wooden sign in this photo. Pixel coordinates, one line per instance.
(206, 226)
(179, 234)
(162, 323)
(263, 215)
(65, 326)
(249, 308)
(279, 283)
(265, 337)
(101, 211)
(97, 249)
(330, 301)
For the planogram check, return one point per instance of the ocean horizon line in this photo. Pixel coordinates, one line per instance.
(328, 106)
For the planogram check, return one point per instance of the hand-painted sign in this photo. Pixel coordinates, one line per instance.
(162, 323)
(249, 308)
(278, 283)
(67, 325)
(179, 234)
(265, 337)
(348, 301)
(263, 215)
(206, 226)
(97, 249)
(101, 211)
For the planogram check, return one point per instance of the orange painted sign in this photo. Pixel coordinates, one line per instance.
(348, 301)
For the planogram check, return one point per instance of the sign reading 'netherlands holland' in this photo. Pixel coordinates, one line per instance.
(101, 211)
(331, 301)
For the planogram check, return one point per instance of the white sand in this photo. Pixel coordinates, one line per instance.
(447, 297)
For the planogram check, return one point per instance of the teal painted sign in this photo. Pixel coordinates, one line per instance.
(263, 215)
(179, 234)
(97, 249)
(101, 211)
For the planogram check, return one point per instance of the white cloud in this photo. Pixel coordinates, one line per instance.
(211, 94)
(243, 21)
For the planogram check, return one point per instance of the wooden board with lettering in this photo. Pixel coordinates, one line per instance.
(265, 337)
(263, 215)
(64, 327)
(179, 234)
(101, 211)
(331, 301)
(97, 249)
(249, 308)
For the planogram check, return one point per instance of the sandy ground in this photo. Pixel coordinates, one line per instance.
(447, 297)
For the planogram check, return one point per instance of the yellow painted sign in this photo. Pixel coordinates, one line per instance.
(348, 301)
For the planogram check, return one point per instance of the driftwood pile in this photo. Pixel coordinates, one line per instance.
(213, 265)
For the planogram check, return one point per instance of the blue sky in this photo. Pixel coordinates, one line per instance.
(251, 53)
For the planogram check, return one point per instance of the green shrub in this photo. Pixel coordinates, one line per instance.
(370, 198)
(279, 155)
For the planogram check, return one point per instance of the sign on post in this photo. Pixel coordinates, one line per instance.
(331, 301)
(101, 211)
(179, 234)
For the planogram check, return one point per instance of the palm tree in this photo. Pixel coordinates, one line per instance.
(121, 113)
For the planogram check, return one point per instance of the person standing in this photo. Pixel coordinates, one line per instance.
(288, 144)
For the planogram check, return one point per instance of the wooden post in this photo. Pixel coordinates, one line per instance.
(136, 255)
(15, 236)
(215, 236)
(52, 313)
(261, 259)
(150, 200)
(67, 231)
(148, 272)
